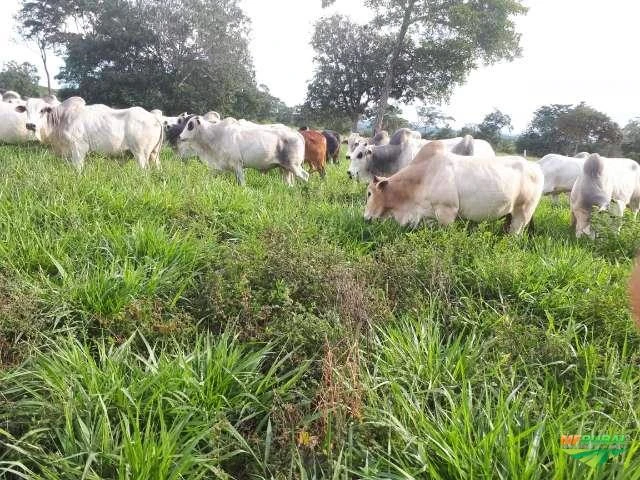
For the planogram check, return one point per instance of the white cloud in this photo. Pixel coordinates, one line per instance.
(573, 50)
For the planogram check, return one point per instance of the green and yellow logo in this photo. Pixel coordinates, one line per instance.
(594, 450)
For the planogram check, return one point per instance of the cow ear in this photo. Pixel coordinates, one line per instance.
(21, 109)
(382, 184)
(376, 180)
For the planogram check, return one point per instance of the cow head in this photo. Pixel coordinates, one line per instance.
(36, 118)
(377, 199)
(191, 129)
(360, 158)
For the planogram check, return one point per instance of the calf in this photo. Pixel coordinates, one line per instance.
(315, 150)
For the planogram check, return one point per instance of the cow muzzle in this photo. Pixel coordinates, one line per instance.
(31, 127)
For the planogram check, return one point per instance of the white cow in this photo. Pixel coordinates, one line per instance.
(230, 145)
(13, 124)
(367, 162)
(441, 185)
(12, 97)
(213, 117)
(74, 129)
(605, 183)
(560, 174)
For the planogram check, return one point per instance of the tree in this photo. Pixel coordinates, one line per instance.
(492, 127)
(432, 118)
(567, 129)
(176, 55)
(631, 139)
(21, 77)
(40, 21)
(349, 69)
(588, 129)
(543, 136)
(445, 39)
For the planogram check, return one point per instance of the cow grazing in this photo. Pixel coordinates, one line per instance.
(356, 140)
(560, 174)
(212, 117)
(441, 185)
(315, 150)
(74, 129)
(12, 97)
(606, 184)
(333, 145)
(232, 146)
(367, 162)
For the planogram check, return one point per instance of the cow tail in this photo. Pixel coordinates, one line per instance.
(158, 148)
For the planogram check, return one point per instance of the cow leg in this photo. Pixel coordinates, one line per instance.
(522, 217)
(299, 172)
(78, 155)
(287, 177)
(634, 206)
(446, 215)
(240, 175)
(142, 159)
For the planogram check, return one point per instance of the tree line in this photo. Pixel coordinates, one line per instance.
(192, 55)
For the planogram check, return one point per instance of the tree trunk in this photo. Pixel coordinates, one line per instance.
(43, 55)
(388, 80)
(355, 119)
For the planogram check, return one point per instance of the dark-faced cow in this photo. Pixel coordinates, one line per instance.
(333, 145)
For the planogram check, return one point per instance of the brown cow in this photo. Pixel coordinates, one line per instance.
(315, 150)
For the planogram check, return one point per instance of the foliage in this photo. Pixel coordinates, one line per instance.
(568, 129)
(493, 126)
(20, 77)
(432, 118)
(445, 40)
(145, 318)
(143, 52)
(631, 139)
(349, 69)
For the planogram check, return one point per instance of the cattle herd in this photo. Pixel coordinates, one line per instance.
(409, 179)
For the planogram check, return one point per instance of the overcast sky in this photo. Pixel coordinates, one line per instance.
(573, 50)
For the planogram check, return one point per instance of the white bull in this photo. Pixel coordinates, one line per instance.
(232, 145)
(74, 129)
(444, 186)
(560, 173)
(605, 183)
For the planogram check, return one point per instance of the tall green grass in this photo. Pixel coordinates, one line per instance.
(173, 325)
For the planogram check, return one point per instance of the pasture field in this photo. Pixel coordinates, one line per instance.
(168, 325)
